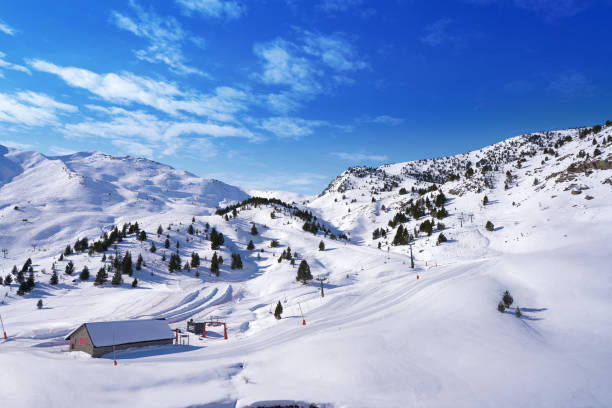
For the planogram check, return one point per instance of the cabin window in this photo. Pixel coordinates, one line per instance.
(83, 341)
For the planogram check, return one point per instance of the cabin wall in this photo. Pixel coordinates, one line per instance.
(80, 341)
(100, 351)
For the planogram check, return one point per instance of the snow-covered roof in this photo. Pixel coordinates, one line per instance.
(126, 331)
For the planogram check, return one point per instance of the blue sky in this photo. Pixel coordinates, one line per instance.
(286, 94)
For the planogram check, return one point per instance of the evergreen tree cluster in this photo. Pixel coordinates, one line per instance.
(195, 260)
(402, 236)
(214, 264)
(379, 233)
(27, 285)
(81, 245)
(216, 239)
(398, 218)
(174, 264)
(236, 261)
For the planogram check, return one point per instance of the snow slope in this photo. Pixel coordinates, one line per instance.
(384, 335)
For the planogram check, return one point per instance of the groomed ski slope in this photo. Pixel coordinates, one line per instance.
(379, 338)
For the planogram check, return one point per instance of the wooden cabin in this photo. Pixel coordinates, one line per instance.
(98, 338)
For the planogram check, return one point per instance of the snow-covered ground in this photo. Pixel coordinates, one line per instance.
(384, 335)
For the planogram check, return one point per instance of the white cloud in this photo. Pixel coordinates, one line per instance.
(308, 67)
(165, 36)
(570, 83)
(130, 129)
(283, 67)
(359, 157)
(332, 6)
(16, 145)
(8, 65)
(6, 29)
(289, 127)
(213, 8)
(127, 88)
(334, 51)
(387, 120)
(31, 109)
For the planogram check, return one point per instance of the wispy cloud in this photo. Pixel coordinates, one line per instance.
(439, 33)
(165, 36)
(312, 64)
(571, 84)
(16, 145)
(549, 9)
(127, 88)
(213, 8)
(387, 120)
(61, 151)
(6, 29)
(359, 157)
(129, 129)
(334, 51)
(31, 109)
(8, 65)
(291, 127)
(333, 7)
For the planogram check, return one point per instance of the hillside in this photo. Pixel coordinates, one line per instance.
(384, 334)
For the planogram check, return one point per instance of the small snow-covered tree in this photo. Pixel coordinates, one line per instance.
(507, 299)
(69, 268)
(278, 311)
(39, 304)
(303, 273)
(54, 278)
(321, 246)
(84, 275)
(250, 246)
(501, 308)
(489, 226)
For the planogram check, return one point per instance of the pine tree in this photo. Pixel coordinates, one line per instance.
(84, 275)
(8, 280)
(236, 261)
(441, 239)
(303, 273)
(174, 264)
(485, 200)
(69, 268)
(160, 231)
(501, 308)
(278, 311)
(54, 278)
(21, 278)
(153, 248)
(250, 246)
(489, 226)
(139, 262)
(321, 246)
(126, 265)
(30, 281)
(135, 283)
(142, 236)
(507, 299)
(214, 264)
(195, 260)
(190, 229)
(518, 312)
(101, 277)
(254, 230)
(117, 279)
(167, 243)
(39, 304)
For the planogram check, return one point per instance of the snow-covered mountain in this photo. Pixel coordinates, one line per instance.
(384, 334)
(45, 201)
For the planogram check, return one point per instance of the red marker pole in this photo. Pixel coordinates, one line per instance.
(225, 331)
(4, 331)
(303, 320)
